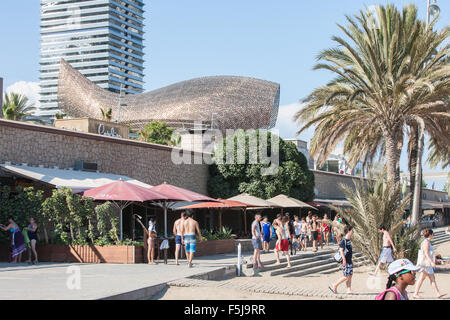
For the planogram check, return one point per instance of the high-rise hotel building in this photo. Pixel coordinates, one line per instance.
(103, 39)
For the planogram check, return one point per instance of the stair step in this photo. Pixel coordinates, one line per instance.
(327, 268)
(293, 258)
(295, 263)
(302, 265)
(357, 263)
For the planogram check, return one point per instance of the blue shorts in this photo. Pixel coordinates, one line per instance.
(257, 244)
(178, 240)
(266, 237)
(190, 242)
(347, 270)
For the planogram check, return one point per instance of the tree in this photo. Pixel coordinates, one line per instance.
(157, 132)
(293, 177)
(16, 107)
(388, 76)
(373, 203)
(106, 114)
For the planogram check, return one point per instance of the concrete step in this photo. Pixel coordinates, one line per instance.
(298, 256)
(303, 265)
(325, 268)
(357, 263)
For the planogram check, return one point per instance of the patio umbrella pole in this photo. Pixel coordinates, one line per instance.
(121, 225)
(165, 219)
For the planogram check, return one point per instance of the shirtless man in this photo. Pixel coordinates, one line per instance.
(282, 245)
(189, 227)
(177, 233)
(386, 253)
(315, 228)
(304, 235)
(277, 220)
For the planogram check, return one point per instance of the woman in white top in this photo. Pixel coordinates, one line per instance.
(426, 261)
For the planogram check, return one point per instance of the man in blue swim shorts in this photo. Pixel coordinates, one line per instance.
(190, 226)
(177, 232)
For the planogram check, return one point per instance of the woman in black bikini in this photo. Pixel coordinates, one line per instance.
(32, 235)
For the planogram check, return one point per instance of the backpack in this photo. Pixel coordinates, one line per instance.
(337, 256)
(394, 289)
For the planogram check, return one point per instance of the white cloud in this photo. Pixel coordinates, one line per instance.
(286, 125)
(28, 89)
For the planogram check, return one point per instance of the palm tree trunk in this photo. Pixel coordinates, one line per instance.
(412, 160)
(416, 209)
(392, 158)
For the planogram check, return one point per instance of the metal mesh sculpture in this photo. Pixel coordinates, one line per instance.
(233, 102)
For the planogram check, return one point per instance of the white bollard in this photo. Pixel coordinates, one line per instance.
(239, 262)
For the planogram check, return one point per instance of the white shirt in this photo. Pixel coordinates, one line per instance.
(298, 227)
(151, 227)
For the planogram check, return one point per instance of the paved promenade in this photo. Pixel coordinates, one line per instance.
(48, 281)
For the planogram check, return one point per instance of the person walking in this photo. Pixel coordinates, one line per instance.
(267, 234)
(282, 245)
(178, 239)
(315, 228)
(426, 262)
(346, 251)
(188, 231)
(402, 273)
(256, 241)
(304, 234)
(337, 229)
(17, 240)
(298, 230)
(277, 220)
(386, 252)
(32, 236)
(291, 227)
(326, 229)
(151, 241)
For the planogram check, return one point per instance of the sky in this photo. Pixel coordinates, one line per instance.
(271, 40)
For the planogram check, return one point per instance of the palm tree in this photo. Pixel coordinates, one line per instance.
(106, 114)
(373, 203)
(16, 107)
(439, 153)
(388, 77)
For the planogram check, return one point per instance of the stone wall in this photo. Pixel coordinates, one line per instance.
(41, 145)
(327, 184)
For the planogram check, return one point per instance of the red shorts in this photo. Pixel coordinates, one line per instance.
(282, 245)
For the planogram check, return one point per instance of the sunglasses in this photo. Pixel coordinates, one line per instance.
(404, 271)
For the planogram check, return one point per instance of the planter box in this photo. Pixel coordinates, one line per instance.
(84, 254)
(114, 254)
(213, 247)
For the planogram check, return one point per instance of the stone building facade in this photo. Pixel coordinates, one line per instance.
(41, 145)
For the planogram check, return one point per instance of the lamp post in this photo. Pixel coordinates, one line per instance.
(432, 10)
(120, 104)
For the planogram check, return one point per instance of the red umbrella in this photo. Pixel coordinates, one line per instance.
(124, 191)
(219, 205)
(223, 203)
(122, 194)
(178, 194)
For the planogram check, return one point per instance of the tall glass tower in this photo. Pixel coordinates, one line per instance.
(103, 39)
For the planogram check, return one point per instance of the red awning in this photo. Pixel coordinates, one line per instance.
(124, 191)
(223, 203)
